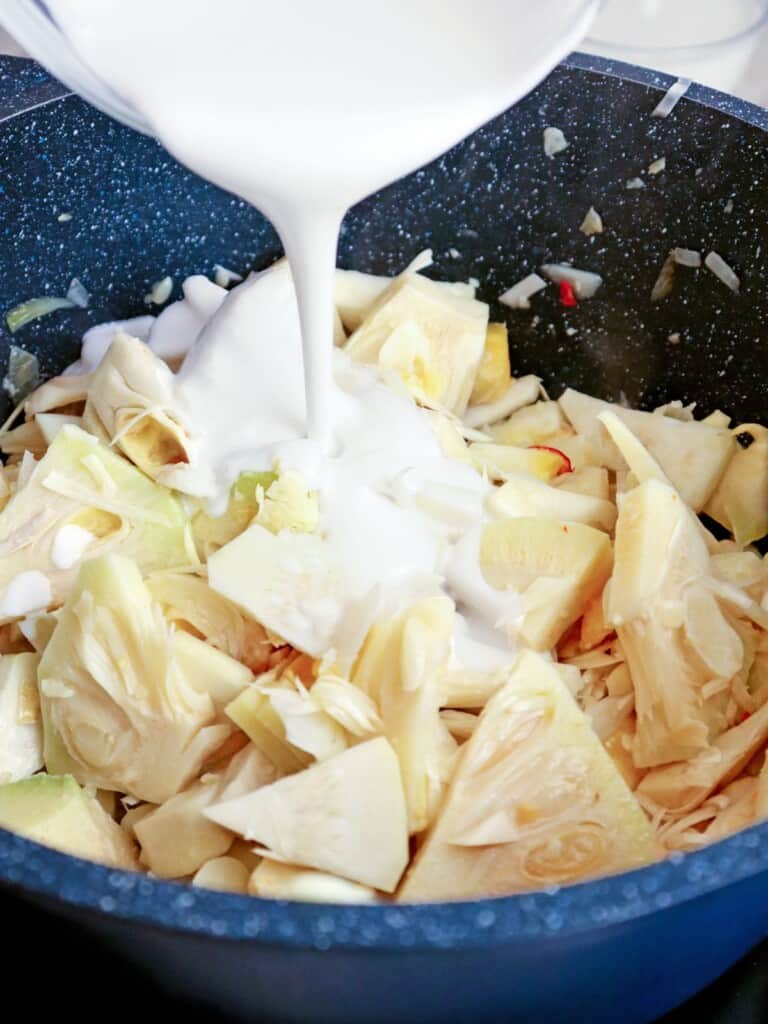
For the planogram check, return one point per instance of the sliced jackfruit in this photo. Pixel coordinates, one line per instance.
(222, 874)
(80, 482)
(526, 495)
(590, 480)
(693, 455)
(556, 567)
(535, 801)
(177, 838)
(55, 811)
(346, 816)
(399, 668)
(740, 501)
(674, 635)
(273, 880)
(438, 341)
(119, 712)
(356, 293)
(493, 375)
(288, 504)
(131, 397)
(213, 532)
(21, 732)
(500, 461)
(533, 424)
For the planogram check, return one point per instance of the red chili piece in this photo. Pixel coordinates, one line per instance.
(744, 716)
(567, 295)
(567, 466)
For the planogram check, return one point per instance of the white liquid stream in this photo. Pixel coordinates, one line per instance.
(303, 108)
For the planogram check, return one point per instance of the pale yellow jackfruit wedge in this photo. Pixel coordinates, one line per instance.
(589, 480)
(674, 635)
(275, 881)
(500, 461)
(345, 816)
(440, 341)
(448, 435)
(189, 602)
(525, 495)
(557, 567)
(222, 874)
(26, 438)
(535, 801)
(740, 502)
(693, 455)
(21, 733)
(213, 532)
(119, 712)
(80, 482)
(253, 712)
(533, 424)
(130, 395)
(493, 374)
(55, 811)
(682, 787)
(177, 838)
(356, 293)
(399, 668)
(59, 394)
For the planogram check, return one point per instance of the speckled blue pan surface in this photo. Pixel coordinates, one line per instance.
(618, 949)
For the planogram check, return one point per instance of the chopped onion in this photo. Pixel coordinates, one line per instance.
(78, 294)
(671, 98)
(658, 165)
(518, 295)
(160, 292)
(665, 281)
(554, 142)
(64, 217)
(23, 373)
(31, 310)
(224, 277)
(722, 271)
(728, 208)
(687, 257)
(592, 223)
(634, 183)
(454, 253)
(584, 282)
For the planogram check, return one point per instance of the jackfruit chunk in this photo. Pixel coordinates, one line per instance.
(81, 483)
(682, 787)
(493, 374)
(556, 567)
(693, 455)
(431, 337)
(501, 461)
(213, 532)
(533, 424)
(346, 816)
(288, 504)
(275, 881)
(535, 800)
(399, 668)
(177, 839)
(119, 711)
(674, 635)
(21, 733)
(740, 502)
(55, 811)
(525, 495)
(131, 398)
(356, 293)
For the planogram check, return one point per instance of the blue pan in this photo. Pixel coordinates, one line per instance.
(625, 948)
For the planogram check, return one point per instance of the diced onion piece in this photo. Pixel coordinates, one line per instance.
(671, 98)
(518, 295)
(687, 257)
(715, 262)
(584, 282)
(635, 183)
(160, 292)
(658, 165)
(64, 217)
(33, 309)
(224, 277)
(23, 373)
(78, 294)
(592, 223)
(554, 142)
(665, 281)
